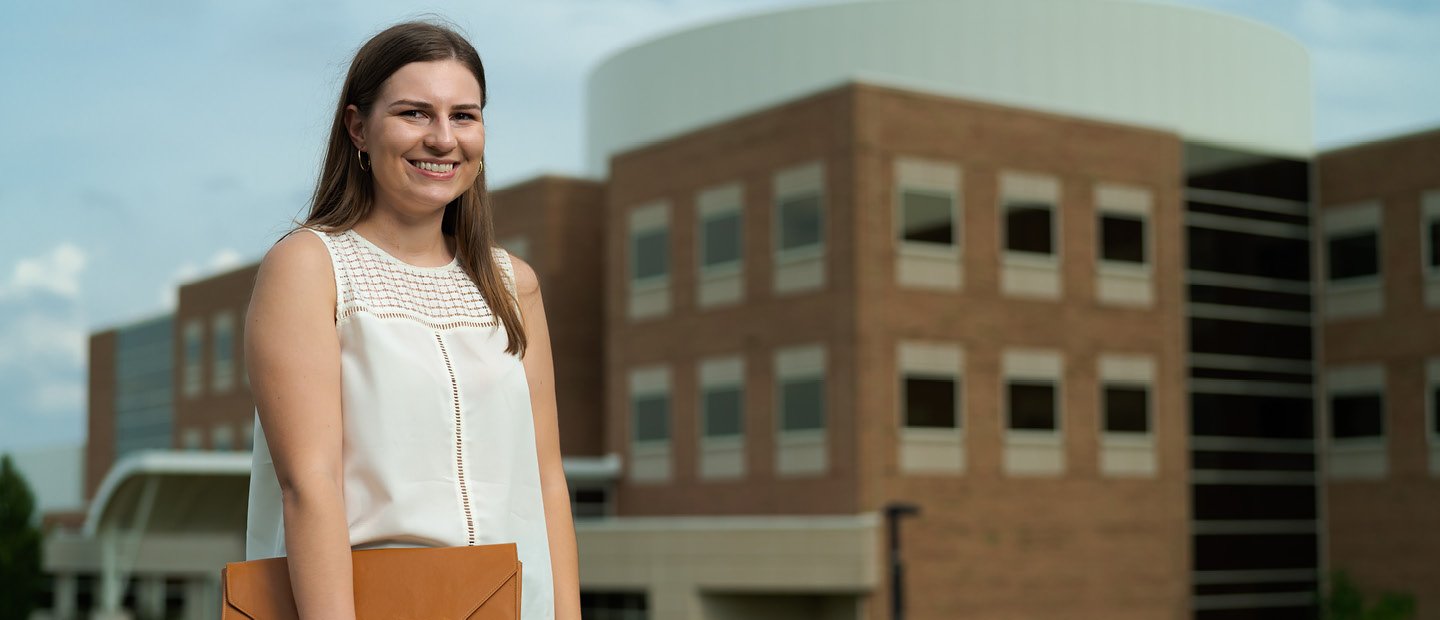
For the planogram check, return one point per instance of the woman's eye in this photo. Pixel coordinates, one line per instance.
(410, 112)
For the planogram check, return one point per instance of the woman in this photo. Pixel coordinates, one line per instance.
(400, 361)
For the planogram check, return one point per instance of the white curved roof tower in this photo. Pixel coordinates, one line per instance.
(1208, 76)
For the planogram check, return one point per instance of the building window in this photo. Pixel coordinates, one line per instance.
(800, 223)
(720, 240)
(191, 439)
(1354, 255)
(1032, 405)
(799, 229)
(722, 411)
(1357, 415)
(802, 404)
(1122, 238)
(614, 605)
(927, 217)
(649, 260)
(222, 438)
(930, 401)
(1030, 227)
(1127, 408)
(222, 365)
(519, 245)
(652, 417)
(194, 341)
(589, 502)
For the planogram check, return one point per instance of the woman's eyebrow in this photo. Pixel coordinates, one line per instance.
(425, 105)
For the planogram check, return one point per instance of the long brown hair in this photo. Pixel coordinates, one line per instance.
(344, 194)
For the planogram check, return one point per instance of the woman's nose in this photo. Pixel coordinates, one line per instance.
(441, 137)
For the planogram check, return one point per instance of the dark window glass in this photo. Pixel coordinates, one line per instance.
(926, 217)
(614, 605)
(800, 222)
(1200, 293)
(1243, 172)
(721, 239)
(589, 503)
(1227, 251)
(930, 402)
(1245, 338)
(652, 418)
(802, 404)
(722, 411)
(1253, 501)
(1354, 256)
(1028, 228)
(224, 343)
(1032, 406)
(1357, 415)
(1255, 552)
(651, 254)
(1434, 231)
(1236, 415)
(193, 344)
(1435, 411)
(1122, 238)
(1127, 409)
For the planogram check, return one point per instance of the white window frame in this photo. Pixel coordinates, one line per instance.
(650, 459)
(1356, 457)
(794, 182)
(722, 283)
(923, 264)
(1032, 452)
(648, 296)
(1123, 282)
(721, 456)
(1429, 212)
(193, 360)
(1358, 296)
(222, 371)
(931, 449)
(1028, 274)
(801, 451)
(1127, 453)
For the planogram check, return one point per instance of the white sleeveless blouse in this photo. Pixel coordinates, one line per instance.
(439, 441)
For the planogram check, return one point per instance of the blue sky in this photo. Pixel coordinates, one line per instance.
(146, 144)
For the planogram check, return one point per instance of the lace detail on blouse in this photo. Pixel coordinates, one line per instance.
(370, 280)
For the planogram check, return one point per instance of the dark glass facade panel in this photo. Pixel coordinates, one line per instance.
(1127, 409)
(1212, 167)
(1227, 251)
(720, 240)
(1357, 415)
(1252, 461)
(652, 418)
(1353, 256)
(723, 416)
(144, 386)
(1197, 206)
(1255, 552)
(589, 503)
(1032, 405)
(1265, 613)
(1433, 229)
(1250, 375)
(1249, 297)
(930, 402)
(651, 254)
(618, 605)
(1122, 238)
(1028, 227)
(1243, 338)
(1236, 415)
(1253, 502)
(800, 222)
(927, 217)
(802, 404)
(1254, 588)
(1435, 410)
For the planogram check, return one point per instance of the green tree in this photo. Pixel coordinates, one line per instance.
(1346, 602)
(19, 545)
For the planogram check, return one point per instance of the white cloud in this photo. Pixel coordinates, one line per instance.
(58, 397)
(35, 337)
(225, 259)
(189, 271)
(57, 272)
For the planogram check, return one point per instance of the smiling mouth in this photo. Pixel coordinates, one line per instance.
(432, 167)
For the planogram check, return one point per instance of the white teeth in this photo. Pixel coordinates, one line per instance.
(425, 165)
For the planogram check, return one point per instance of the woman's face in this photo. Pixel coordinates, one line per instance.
(424, 135)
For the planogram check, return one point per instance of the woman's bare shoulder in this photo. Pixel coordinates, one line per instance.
(298, 264)
(526, 282)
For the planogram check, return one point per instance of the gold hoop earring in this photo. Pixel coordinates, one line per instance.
(362, 157)
(482, 167)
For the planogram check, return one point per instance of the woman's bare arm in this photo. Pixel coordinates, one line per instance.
(293, 356)
(540, 373)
